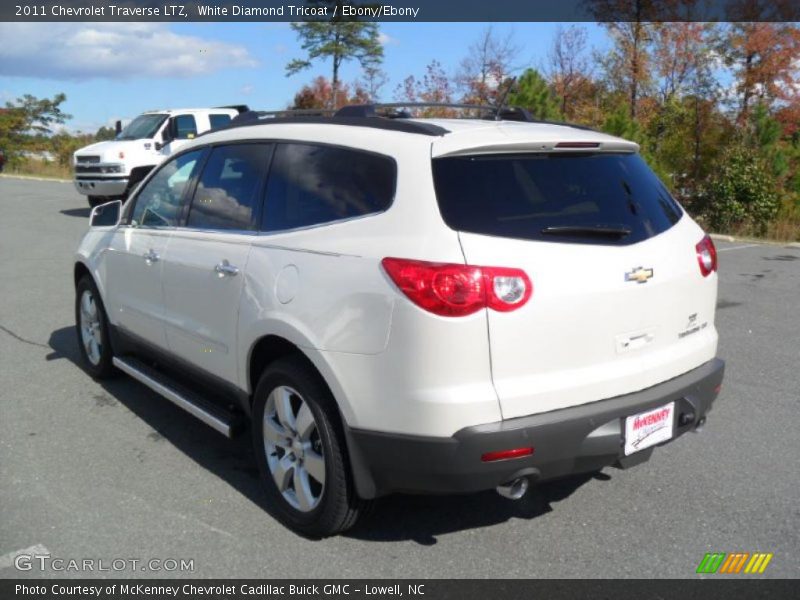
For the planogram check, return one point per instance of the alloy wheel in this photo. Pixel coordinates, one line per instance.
(294, 449)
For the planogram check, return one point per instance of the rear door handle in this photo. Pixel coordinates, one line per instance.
(151, 257)
(225, 268)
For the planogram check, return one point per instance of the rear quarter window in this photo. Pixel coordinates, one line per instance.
(312, 184)
(575, 197)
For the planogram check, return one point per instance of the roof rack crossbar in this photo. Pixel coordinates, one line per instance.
(371, 110)
(498, 113)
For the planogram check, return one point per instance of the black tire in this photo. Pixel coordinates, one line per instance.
(137, 175)
(102, 368)
(97, 200)
(339, 507)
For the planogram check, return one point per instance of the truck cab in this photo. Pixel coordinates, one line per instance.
(107, 170)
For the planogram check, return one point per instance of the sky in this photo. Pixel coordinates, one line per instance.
(112, 71)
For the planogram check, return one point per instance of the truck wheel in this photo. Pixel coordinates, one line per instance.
(92, 327)
(135, 178)
(301, 453)
(97, 200)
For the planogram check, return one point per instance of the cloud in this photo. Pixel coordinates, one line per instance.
(78, 51)
(384, 39)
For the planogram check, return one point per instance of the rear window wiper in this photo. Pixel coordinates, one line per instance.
(617, 231)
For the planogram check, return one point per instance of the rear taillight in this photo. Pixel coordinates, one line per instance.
(453, 290)
(706, 256)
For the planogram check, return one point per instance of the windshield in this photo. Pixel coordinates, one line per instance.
(143, 126)
(577, 197)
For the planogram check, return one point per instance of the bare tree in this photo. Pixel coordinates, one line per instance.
(487, 65)
(434, 87)
(568, 67)
(372, 82)
(627, 66)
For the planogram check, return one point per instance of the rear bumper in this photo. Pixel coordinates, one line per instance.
(578, 439)
(102, 186)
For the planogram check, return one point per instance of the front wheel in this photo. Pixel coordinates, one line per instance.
(92, 329)
(97, 201)
(301, 453)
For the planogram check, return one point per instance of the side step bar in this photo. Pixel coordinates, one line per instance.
(212, 415)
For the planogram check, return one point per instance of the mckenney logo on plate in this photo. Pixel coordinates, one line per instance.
(658, 417)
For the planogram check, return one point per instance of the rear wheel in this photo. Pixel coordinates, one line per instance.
(300, 450)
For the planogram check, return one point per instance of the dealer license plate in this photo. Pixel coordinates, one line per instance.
(649, 428)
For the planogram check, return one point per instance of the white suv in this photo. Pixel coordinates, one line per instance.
(408, 305)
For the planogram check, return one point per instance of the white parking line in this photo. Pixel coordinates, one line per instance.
(8, 559)
(737, 247)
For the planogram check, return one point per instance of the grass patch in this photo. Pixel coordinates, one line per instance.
(38, 168)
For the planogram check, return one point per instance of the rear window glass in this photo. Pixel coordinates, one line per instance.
(576, 197)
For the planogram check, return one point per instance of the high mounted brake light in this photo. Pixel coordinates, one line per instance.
(578, 145)
(454, 290)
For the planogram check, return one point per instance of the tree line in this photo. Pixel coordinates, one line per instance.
(715, 107)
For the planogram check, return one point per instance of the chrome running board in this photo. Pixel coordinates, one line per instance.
(210, 414)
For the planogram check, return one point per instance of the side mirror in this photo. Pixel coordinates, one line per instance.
(166, 135)
(106, 215)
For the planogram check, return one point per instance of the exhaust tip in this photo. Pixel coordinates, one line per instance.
(514, 489)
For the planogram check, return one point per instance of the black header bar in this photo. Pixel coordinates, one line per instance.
(181, 11)
(360, 589)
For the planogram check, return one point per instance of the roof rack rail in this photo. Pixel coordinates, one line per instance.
(322, 116)
(389, 116)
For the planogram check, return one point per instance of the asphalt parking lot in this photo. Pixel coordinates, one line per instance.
(107, 471)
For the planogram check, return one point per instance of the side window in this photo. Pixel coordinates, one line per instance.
(159, 202)
(227, 191)
(312, 184)
(185, 127)
(218, 120)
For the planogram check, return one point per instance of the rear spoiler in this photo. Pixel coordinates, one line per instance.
(452, 146)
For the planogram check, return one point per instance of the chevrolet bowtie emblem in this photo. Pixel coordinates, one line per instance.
(639, 275)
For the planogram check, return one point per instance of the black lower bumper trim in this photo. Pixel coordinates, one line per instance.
(572, 440)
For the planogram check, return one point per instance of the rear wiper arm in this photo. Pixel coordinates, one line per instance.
(584, 230)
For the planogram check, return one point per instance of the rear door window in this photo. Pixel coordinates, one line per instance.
(227, 193)
(577, 198)
(314, 184)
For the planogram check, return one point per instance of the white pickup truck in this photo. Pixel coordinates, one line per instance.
(108, 170)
